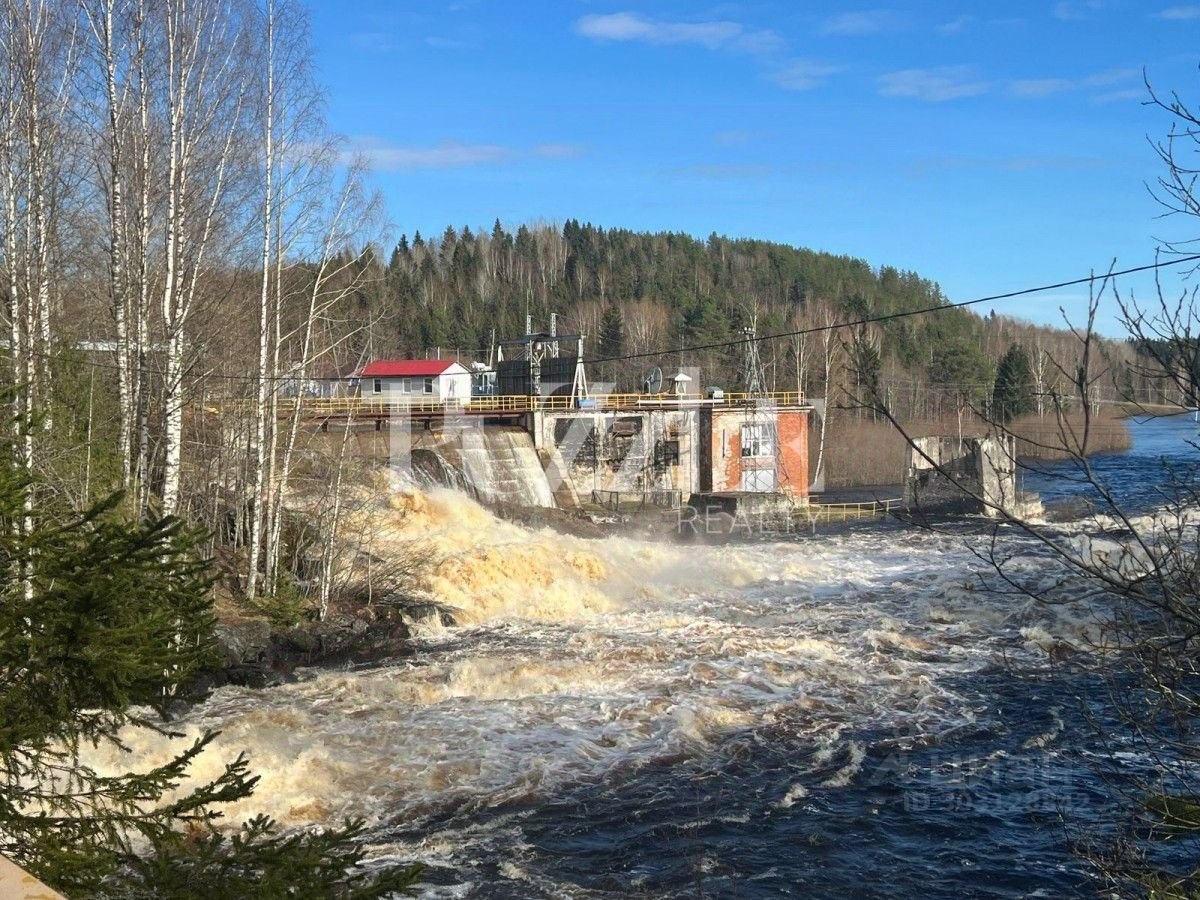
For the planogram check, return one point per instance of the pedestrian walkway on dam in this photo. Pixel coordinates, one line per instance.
(512, 405)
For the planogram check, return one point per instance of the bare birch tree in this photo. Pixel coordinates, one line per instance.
(205, 100)
(103, 22)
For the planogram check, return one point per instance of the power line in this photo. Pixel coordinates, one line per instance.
(870, 320)
(735, 342)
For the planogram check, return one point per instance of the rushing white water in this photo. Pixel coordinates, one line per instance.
(496, 464)
(576, 661)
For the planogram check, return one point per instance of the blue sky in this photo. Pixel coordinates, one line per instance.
(987, 146)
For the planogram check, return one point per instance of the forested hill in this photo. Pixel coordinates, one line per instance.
(633, 292)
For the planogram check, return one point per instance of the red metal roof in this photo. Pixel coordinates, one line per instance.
(400, 367)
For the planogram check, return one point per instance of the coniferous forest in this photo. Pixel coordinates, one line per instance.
(649, 295)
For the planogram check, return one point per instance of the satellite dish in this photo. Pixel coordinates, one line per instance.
(653, 382)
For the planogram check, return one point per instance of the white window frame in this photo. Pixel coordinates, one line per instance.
(377, 385)
(756, 440)
(428, 385)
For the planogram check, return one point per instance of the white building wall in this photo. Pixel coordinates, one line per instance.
(453, 385)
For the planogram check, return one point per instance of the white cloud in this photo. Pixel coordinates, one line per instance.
(446, 155)
(1110, 76)
(1120, 96)
(802, 74)
(731, 138)
(1040, 87)
(935, 164)
(764, 45)
(440, 43)
(933, 85)
(1045, 87)
(388, 157)
(1075, 10)
(1180, 13)
(956, 26)
(558, 151)
(761, 42)
(627, 26)
(725, 171)
(868, 21)
(713, 35)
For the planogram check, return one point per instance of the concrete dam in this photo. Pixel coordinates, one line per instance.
(647, 448)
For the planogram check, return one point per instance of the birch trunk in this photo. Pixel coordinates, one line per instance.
(103, 30)
(316, 307)
(205, 91)
(173, 366)
(828, 351)
(141, 384)
(261, 448)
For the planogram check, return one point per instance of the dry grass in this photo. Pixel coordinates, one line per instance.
(1050, 439)
(861, 453)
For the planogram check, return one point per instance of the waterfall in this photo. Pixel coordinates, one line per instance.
(497, 464)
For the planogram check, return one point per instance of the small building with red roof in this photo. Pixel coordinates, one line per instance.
(415, 381)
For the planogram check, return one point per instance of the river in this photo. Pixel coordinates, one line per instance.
(817, 716)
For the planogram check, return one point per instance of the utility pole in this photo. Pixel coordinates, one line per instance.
(753, 372)
(759, 433)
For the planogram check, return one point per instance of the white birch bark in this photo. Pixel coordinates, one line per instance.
(261, 425)
(141, 309)
(103, 28)
(318, 303)
(205, 94)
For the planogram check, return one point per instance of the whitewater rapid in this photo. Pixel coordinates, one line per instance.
(579, 664)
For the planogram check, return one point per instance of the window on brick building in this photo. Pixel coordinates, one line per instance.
(757, 440)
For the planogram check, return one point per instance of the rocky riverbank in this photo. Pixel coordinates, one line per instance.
(254, 653)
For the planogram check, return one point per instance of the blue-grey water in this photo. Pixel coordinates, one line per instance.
(1164, 458)
(849, 714)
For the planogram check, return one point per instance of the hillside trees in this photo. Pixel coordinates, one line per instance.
(673, 290)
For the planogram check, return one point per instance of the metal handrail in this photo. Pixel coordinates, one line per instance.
(516, 403)
(816, 511)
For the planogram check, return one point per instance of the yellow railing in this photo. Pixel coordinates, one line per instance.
(371, 406)
(843, 512)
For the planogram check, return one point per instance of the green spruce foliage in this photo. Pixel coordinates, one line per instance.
(103, 623)
(1014, 393)
(457, 290)
(612, 332)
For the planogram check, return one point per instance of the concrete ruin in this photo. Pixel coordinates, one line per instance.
(951, 475)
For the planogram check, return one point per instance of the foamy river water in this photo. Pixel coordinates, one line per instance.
(852, 713)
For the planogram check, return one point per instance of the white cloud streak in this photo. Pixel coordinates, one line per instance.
(936, 164)
(956, 26)
(1077, 10)
(863, 22)
(627, 26)
(1180, 13)
(802, 74)
(388, 157)
(764, 45)
(1040, 87)
(933, 85)
(1047, 87)
(558, 151)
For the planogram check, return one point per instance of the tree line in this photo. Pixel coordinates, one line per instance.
(648, 295)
